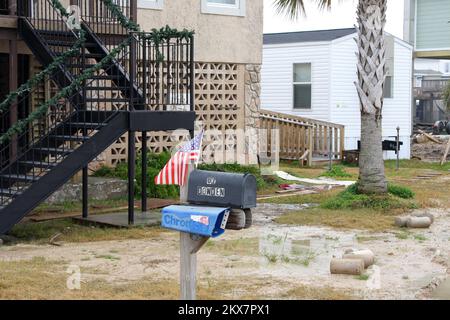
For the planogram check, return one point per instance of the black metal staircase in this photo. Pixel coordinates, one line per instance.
(132, 92)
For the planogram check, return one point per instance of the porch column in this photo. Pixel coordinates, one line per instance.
(13, 69)
(133, 10)
(12, 4)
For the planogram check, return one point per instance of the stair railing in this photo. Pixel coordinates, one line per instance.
(52, 29)
(63, 118)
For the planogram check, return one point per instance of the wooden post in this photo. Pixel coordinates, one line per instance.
(311, 145)
(133, 10)
(12, 5)
(13, 84)
(189, 246)
(342, 142)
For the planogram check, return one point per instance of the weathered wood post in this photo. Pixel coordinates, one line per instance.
(189, 246)
(397, 149)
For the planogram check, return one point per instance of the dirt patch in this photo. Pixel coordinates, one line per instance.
(266, 261)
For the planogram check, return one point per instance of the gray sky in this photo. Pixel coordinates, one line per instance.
(341, 15)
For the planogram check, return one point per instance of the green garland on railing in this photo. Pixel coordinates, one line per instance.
(157, 36)
(21, 125)
(39, 77)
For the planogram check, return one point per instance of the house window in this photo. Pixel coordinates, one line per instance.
(388, 87)
(151, 4)
(302, 86)
(224, 7)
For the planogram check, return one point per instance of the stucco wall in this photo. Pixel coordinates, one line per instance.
(219, 38)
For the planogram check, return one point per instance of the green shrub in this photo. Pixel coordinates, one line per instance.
(336, 172)
(351, 199)
(155, 163)
(400, 191)
(261, 181)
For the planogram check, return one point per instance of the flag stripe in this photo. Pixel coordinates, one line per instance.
(175, 171)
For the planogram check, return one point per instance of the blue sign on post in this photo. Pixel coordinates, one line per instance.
(204, 221)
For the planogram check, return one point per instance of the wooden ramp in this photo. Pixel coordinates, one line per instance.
(302, 139)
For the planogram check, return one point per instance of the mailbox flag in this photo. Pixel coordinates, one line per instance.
(175, 171)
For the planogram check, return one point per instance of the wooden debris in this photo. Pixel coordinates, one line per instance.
(447, 150)
(430, 137)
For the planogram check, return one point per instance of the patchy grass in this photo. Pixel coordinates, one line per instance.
(363, 277)
(69, 231)
(241, 246)
(47, 280)
(309, 293)
(304, 199)
(76, 206)
(367, 219)
(336, 172)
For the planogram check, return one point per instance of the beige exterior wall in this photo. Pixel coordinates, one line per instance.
(219, 38)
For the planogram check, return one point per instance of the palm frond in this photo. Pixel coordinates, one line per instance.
(294, 8)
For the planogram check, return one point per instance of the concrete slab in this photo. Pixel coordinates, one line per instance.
(120, 219)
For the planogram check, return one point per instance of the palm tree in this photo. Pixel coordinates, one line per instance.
(371, 69)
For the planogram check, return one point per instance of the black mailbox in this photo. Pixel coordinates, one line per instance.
(232, 190)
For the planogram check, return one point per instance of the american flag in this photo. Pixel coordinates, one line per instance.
(175, 171)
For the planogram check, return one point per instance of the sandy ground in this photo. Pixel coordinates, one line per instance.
(407, 267)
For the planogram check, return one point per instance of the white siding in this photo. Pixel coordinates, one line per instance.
(334, 94)
(344, 103)
(277, 78)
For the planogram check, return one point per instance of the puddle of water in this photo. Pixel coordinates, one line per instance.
(443, 291)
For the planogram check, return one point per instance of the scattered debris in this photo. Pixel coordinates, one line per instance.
(447, 150)
(347, 266)
(322, 181)
(53, 242)
(430, 137)
(365, 255)
(418, 222)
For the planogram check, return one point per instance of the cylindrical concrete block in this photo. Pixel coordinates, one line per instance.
(418, 222)
(347, 266)
(248, 218)
(236, 220)
(401, 221)
(366, 255)
(424, 214)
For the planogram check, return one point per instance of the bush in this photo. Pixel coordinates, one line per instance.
(155, 164)
(351, 199)
(237, 168)
(400, 191)
(336, 172)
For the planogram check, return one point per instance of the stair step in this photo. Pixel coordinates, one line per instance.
(56, 33)
(87, 55)
(41, 165)
(69, 43)
(106, 88)
(108, 100)
(19, 177)
(105, 77)
(71, 138)
(87, 125)
(9, 193)
(54, 150)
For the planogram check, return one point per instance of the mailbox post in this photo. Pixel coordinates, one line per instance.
(206, 204)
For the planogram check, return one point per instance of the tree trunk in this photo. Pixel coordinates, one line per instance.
(371, 77)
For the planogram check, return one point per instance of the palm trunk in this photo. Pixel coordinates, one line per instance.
(371, 77)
